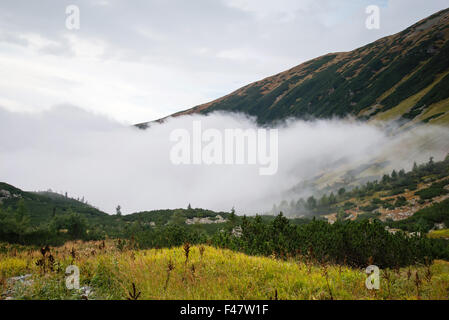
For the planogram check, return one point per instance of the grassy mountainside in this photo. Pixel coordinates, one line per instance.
(42, 206)
(404, 76)
(397, 196)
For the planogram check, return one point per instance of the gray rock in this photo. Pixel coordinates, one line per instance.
(25, 279)
(86, 292)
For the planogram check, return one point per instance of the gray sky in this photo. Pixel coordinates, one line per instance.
(140, 60)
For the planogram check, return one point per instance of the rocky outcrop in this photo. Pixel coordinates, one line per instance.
(207, 220)
(6, 194)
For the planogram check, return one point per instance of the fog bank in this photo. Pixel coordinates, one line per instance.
(70, 150)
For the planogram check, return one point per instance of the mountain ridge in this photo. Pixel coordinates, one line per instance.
(402, 76)
(44, 205)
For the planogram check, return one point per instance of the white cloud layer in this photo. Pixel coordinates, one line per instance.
(68, 149)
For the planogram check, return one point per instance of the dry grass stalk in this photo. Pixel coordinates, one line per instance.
(170, 268)
(186, 251)
(387, 277)
(133, 295)
(325, 273)
(418, 283)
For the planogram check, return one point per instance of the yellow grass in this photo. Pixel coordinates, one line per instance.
(407, 104)
(217, 274)
(439, 234)
(436, 108)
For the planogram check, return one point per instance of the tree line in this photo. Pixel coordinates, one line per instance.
(391, 184)
(354, 243)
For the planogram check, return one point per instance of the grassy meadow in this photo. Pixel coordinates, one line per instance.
(439, 234)
(112, 270)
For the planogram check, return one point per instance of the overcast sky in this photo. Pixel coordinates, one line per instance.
(144, 59)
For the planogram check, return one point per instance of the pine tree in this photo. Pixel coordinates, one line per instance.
(311, 203)
(341, 215)
(332, 199)
(394, 175)
(21, 211)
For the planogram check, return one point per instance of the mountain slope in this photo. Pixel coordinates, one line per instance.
(405, 76)
(43, 205)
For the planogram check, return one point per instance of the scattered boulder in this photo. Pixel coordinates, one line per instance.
(237, 232)
(12, 284)
(25, 280)
(86, 292)
(439, 226)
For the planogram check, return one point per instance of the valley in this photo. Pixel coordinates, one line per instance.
(362, 181)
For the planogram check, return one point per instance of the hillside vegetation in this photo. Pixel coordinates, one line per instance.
(394, 197)
(42, 206)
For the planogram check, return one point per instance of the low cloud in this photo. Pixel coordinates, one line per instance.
(70, 150)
